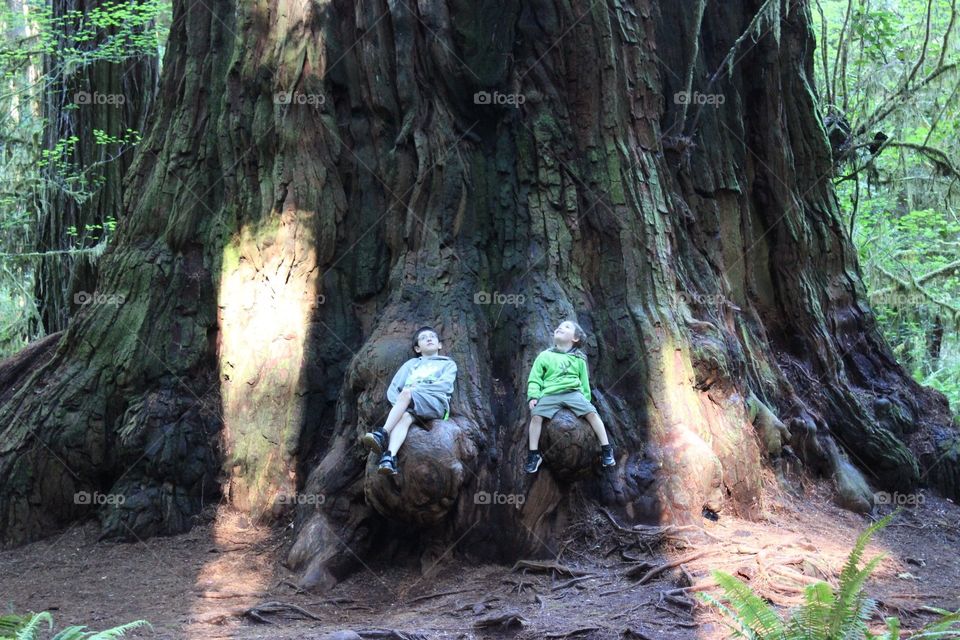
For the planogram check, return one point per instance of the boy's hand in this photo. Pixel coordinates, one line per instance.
(533, 403)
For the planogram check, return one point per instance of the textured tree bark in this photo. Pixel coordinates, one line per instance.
(323, 178)
(112, 97)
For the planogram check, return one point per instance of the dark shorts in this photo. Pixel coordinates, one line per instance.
(547, 406)
(427, 406)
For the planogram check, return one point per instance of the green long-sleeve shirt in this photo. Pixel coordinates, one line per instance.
(556, 371)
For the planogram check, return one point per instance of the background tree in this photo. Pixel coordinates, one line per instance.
(102, 73)
(322, 178)
(65, 148)
(890, 85)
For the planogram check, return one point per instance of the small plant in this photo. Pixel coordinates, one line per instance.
(27, 627)
(826, 613)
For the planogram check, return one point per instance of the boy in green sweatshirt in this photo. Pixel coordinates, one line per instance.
(558, 379)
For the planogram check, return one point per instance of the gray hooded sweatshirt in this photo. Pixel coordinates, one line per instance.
(430, 378)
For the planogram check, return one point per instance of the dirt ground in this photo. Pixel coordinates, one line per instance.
(200, 584)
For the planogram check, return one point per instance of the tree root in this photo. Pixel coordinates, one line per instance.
(502, 621)
(257, 612)
(570, 634)
(654, 572)
(540, 565)
(571, 582)
(430, 596)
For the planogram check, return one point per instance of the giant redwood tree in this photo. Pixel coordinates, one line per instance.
(318, 179)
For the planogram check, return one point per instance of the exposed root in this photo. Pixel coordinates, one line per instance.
(265, 608)
(502, 621)
(540, 565)
(655, 571)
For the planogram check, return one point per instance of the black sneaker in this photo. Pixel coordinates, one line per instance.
(533, 462)
(376, 441)
(606, 456)
(388, 465)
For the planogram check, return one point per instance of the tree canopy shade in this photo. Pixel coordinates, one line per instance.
(319, 179)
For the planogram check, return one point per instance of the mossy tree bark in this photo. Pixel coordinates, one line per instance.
(322, 178)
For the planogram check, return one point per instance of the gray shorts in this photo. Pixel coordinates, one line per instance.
(574, 400)
(427, 406)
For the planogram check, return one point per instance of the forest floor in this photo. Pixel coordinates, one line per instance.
(200, 585)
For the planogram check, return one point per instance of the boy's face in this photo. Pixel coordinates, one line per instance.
(565, 333)
(428, 342)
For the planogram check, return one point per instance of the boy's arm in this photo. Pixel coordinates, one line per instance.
(443, 383)
(446, 379)
(584, 380)
(535, 380)
(396, 385)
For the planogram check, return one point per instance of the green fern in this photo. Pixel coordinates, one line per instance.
(826, 613)
(18, 627)
(29, 630)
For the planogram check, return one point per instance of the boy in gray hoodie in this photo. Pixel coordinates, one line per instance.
(421, 388)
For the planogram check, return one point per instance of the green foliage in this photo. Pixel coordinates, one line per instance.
(890, 69)
(827, 613)
(27, 627)
(46, 57)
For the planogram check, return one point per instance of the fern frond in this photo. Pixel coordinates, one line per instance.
(29, 630)
(893, 628)
(752, 611)
(10, 623)
(947, 626)
(852, 608)
(846, 618)
(729, 615)
(812, 619)
(72, 633)
(119, 632)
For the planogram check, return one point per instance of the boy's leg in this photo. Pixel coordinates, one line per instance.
(607, 458)
(533, 455)
(536, 424)
(597, 424)
(399, 433)
(388, 461)
(397, 411)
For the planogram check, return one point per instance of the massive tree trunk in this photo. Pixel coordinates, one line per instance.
(323, 178)
(82, 180)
